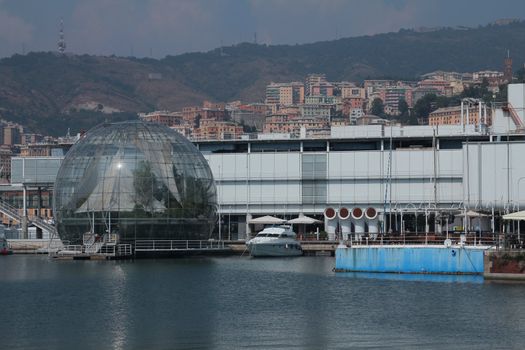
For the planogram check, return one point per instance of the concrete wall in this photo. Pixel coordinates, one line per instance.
(481, 175)
(274, 181)
(494, 175)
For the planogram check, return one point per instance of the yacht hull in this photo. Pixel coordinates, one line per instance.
(275, 249)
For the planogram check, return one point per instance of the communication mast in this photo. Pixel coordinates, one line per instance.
(507, 68)
(61, 40)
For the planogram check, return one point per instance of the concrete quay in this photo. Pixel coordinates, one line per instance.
(40, 246)
(30, 246)
(504, 265)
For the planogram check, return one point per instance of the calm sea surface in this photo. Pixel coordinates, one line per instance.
(234, 302)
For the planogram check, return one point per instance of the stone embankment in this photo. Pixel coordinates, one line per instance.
(505, 265)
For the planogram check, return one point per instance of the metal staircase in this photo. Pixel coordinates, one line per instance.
(514, 115)
(12, 212)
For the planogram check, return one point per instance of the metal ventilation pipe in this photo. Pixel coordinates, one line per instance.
(373, 220)
(345, 222)
(359, 222)
(330, 222)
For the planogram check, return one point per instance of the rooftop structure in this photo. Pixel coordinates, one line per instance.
(470, 111)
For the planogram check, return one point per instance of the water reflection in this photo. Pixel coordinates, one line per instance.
(414, 277)
(117, 304)
(228, 303)
(170, 303)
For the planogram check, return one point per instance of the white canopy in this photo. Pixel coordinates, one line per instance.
(267, 220)
(475, 214)
(519, 215)
(304, 220)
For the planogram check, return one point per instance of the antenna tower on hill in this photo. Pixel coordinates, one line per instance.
(61, 41)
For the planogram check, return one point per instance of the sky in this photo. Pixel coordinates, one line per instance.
(156, 28)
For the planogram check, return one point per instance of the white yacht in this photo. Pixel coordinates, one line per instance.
(275, 241)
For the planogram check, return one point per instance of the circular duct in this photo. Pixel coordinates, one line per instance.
(330, 213)
(357, 213)
(344, 213)
(371, 213)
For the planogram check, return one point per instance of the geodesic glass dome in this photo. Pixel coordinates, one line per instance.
(140, 180)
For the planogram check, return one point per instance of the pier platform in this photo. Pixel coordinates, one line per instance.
(432, 259)
(162, 248)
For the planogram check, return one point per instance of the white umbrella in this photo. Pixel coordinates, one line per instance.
(475, 214)
(519, 215)
(267, 220)
(306, 220)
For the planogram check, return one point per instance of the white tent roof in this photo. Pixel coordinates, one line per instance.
(475, 214)
(267, 220)
(304, 220)
(519, 215)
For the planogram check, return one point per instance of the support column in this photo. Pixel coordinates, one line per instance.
(479, 116)
(462, 117)
(426, 223)
(402, 228)
(426, 226)
(24, 213)
(248, 230)
(39, 201)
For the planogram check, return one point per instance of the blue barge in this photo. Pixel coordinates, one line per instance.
(438, 259)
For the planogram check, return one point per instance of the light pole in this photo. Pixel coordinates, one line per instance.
(519, 180)
(119, 194)
(219, 203)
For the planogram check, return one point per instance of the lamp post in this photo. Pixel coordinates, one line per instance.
(219, 203)
(519, 180)
(119, 194)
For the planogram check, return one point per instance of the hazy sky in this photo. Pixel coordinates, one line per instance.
(163, 27)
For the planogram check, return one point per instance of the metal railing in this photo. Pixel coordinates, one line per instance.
(42, 224)
(71, 249)
(9, 210)
(431, 239)
(97, 249)
(13, 213)
(176, 245)
(116, 250)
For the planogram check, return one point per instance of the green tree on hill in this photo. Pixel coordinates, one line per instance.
(404, 114)
(378, 107)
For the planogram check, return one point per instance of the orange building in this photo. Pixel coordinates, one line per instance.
(353, 92)
(452, 116)
(209, 110)
(292, 124)
(163, 117)
(211, 129)
(351, 103)
(443, 87)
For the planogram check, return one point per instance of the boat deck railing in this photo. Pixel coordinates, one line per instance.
(154, 245)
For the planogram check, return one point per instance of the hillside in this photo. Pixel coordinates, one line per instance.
(49, 92)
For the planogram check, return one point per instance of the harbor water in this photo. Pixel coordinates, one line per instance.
(239, 302)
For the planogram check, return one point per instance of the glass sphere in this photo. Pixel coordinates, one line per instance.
(139, 180)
